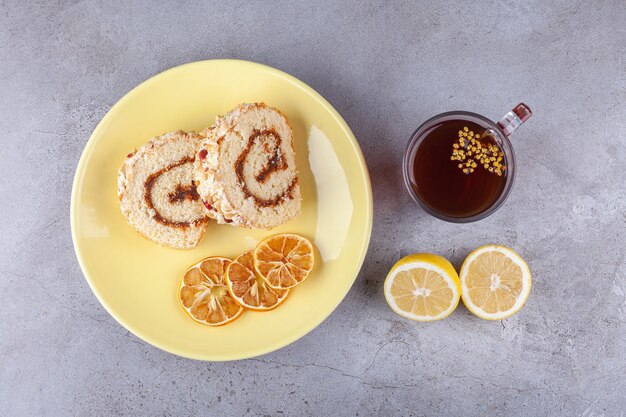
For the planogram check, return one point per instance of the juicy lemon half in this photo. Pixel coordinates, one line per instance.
(495, 282)
(423, 287)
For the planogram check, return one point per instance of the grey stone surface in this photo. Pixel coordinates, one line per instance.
(386, 68)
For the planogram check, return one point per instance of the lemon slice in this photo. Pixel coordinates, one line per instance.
(423, 287)
(495, 282)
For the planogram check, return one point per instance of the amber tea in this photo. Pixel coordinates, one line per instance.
(458, 169)
(459, 166)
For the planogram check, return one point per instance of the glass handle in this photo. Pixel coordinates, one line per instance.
(514, 119)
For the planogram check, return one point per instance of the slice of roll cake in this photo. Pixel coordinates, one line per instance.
(157, 194)
(245, 169)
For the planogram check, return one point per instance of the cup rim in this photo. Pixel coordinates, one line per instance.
(510, 175)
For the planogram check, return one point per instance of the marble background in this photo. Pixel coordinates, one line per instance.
(386, 67)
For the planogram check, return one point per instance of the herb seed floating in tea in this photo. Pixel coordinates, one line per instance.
(470, 152)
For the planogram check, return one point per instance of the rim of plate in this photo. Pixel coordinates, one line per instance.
(252, 352)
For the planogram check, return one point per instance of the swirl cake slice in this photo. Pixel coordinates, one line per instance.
(245, 169)
(157, 194)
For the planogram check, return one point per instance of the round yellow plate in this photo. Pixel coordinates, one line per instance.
(137, 280)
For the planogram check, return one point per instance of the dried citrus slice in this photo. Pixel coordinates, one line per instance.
(248, 288)
(495, 282)
(423, 287)
(284, 261)
(204, 295)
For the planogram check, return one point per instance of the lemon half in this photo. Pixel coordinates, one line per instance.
(423, 287)
(495, 282)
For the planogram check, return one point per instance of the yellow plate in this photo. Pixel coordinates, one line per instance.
(137, 280)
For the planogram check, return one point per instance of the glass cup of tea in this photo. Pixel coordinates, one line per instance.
(460, 166)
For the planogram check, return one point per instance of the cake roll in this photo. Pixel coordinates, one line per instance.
(245, 169)
(157, 194)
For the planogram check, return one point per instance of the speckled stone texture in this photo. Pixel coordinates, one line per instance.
(386, 68)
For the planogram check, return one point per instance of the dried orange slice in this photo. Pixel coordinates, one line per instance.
(248, 288)
(284, 261)
(204, 294)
